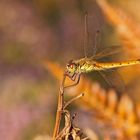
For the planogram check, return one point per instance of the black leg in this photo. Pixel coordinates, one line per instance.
(73, 79)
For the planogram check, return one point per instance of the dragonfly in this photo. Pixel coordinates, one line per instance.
(74, 68)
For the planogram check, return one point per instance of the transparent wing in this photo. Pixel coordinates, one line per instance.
(109, 51)
(113, 78)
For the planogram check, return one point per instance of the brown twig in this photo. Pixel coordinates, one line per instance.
(59, 109)
(73, 99)
(67, 124)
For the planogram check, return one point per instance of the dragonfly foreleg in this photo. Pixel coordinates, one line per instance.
(73, 78)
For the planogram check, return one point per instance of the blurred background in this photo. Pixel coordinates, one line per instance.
(32, 31)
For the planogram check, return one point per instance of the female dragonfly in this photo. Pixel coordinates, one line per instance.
(75, 68)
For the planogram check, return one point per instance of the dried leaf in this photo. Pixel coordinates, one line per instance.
(125, 27)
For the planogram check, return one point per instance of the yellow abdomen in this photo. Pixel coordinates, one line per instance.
(118, 64)
(91, 65)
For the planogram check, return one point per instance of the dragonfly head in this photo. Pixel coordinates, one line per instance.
(71, 68)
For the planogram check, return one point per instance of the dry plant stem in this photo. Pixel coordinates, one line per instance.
(67, 124)
(73, 99)
(59, 108)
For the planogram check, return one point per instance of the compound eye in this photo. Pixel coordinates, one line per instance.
(71, 66)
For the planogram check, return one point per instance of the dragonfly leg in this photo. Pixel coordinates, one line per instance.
(73, 79)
